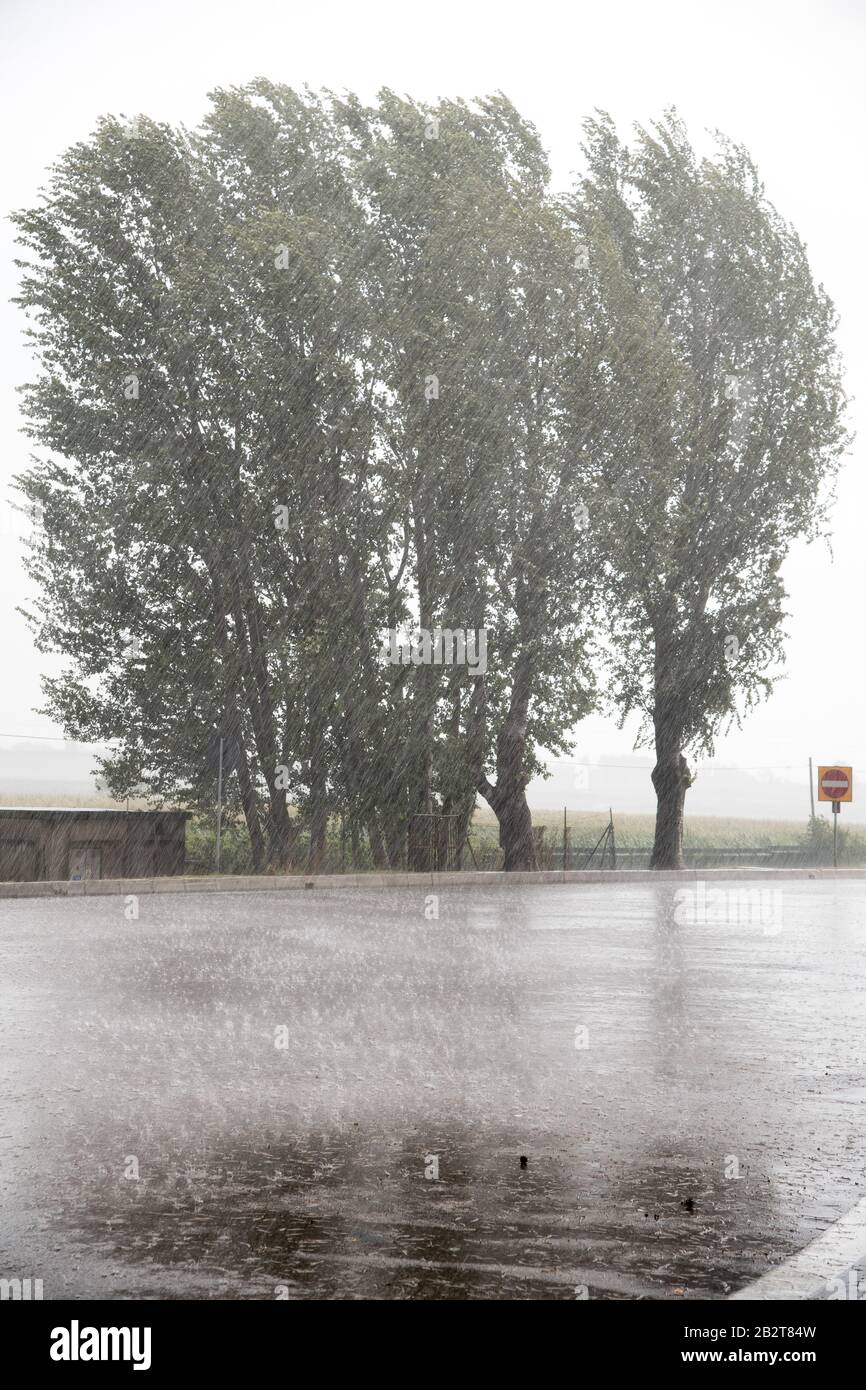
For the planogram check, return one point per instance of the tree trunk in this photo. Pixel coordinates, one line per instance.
(355, 834)
(318, 802)
(251, 810)
(425, 693)
(460, 807)
(515, 829)
(394, 829)
(463, 827)
(377, 844)
(318, 833)
(508, 798)
(460, 802)
(671, 779)
(249, 799)
(420, 779)
(282, 834)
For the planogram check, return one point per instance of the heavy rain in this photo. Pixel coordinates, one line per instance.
(432, 846)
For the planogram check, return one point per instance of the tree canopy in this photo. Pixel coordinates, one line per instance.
(318, 371)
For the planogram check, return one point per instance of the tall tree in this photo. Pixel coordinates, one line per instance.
(723, 409)
(206, 403)
(482, 315)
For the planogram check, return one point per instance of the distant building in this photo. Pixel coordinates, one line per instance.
(38, 842)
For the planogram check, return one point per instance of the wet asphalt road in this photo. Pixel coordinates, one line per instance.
(248, 1096)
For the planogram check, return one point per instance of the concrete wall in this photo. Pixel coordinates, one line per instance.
(39, 845)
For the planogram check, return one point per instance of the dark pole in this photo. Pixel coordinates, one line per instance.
(219, 808)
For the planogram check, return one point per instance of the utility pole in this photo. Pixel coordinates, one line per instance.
(564, 838)
(811, 791)
(219, 807)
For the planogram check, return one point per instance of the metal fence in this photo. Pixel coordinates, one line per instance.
(767, 856)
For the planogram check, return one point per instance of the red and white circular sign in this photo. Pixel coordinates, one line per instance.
(835, 783)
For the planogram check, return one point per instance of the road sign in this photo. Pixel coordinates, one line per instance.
(835, 783)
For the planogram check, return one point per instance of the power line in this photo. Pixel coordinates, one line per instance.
(57, 738)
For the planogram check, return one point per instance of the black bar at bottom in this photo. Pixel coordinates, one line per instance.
(176, 1338)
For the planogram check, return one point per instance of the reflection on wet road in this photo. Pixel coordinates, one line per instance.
(327, 1095)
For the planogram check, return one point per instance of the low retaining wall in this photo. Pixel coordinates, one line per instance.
(271, 883)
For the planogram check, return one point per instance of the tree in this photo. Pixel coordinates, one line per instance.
(483, 313)
(724, 406)
(199, 324)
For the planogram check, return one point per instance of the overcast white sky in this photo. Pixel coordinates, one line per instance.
(786, 78)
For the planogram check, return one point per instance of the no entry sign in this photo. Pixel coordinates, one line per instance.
(835, 784)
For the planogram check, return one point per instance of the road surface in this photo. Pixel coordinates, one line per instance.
(559, 1091)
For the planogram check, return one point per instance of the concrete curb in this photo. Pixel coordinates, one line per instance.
(96, 888)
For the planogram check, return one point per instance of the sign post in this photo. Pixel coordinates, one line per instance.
(220, 806)
(223, 756)
(835, 784)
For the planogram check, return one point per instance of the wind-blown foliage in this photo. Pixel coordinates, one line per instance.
(725, 405)
(317, 370)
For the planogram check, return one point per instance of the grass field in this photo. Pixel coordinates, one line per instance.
(720, 832)
(717, 832)
(585, 827)
(89, 801)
